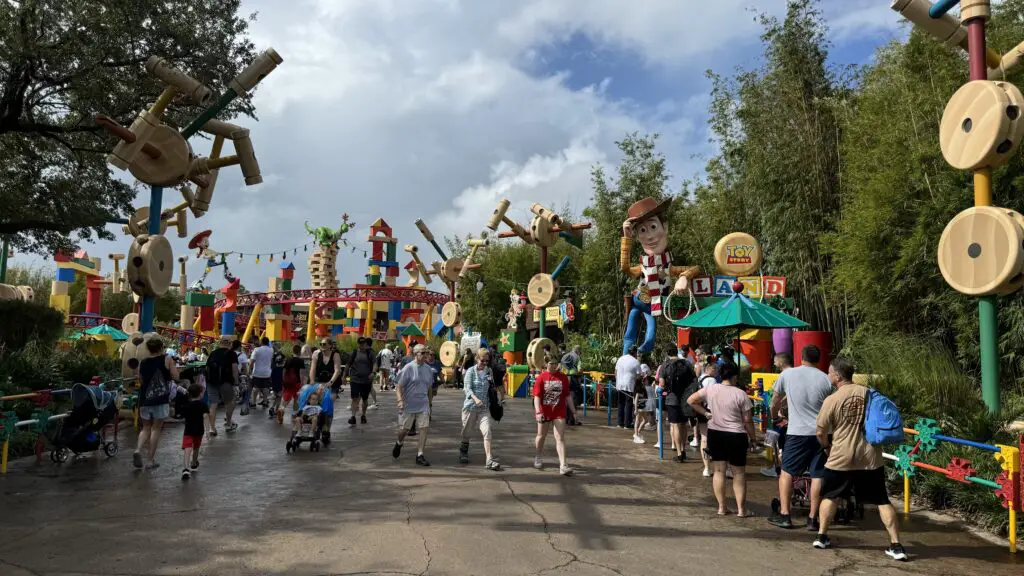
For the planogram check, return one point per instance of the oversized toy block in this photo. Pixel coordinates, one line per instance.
(277, 330)
(374, 269)
(273, 284)
(392, 272)
(391, 251)
(394, 310)
(286, 284)
(199, 299)
(65, 274)
(384, 263)
(61, 302)
(359, 313)
(206, 319)
(373, 279)
(378, 251)
(271, 309)
(58, 288)
(390, 281)
(512, 341)
(287, 270)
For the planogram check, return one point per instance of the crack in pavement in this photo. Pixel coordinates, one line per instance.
(423, 539)
(573, 558)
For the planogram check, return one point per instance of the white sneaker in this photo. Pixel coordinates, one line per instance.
(769, 471)
(372, 407)
(706, 473)
(538, 463)
(637, 439)
(693, 442)
(658, 445)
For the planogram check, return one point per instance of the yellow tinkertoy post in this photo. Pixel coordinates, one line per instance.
(906, 493)
(253, 321)
(311, 322)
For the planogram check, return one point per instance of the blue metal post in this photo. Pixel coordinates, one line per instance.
(661, 435)
(939, 9)
(156, 198)
(584, 396)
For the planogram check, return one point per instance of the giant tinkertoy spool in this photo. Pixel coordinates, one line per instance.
(980, 249)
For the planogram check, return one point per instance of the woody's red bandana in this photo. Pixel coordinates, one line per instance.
(654, 267)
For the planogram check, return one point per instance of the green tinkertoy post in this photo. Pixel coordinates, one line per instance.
(988, 327)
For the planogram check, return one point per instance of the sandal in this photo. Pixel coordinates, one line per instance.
(746, 514)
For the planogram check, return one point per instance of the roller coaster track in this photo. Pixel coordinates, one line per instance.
(324, 295)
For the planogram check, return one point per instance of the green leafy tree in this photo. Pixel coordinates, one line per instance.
(62, 62)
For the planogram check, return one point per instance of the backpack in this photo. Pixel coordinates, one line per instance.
(158, 389)
(882, 421)
(693, 388)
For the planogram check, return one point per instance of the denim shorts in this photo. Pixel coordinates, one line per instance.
(159, 412)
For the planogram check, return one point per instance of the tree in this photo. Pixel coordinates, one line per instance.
(62, 62)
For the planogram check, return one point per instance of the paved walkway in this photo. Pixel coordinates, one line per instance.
(252, 509)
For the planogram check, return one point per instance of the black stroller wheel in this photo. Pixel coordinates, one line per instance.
(60, 455)
(110, 449)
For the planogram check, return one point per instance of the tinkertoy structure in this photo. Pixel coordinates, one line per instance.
(159, 155)
(981, 251)
(545, 230)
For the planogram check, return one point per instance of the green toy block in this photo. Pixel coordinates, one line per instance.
(273, 309)
(390, 250)
(199, 299)
(286, 284)
(338, 313)
(512, 341)
(373, 279)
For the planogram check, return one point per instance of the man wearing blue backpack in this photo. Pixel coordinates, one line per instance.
(848, 422)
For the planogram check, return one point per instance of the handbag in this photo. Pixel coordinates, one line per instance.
(493, 403)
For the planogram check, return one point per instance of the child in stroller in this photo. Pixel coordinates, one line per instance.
(85, 429)
(311, 421)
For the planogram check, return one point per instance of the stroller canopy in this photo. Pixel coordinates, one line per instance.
(82, 394)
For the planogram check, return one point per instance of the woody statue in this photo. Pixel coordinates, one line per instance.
(647, 221)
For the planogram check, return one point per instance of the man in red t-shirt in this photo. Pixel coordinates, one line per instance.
(550, 402)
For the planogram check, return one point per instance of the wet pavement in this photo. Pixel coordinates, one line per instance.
(352, 509)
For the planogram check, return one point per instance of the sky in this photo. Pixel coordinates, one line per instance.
(437, 109)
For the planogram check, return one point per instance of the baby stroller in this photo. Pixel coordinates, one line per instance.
(316, 406)
(310, 426)
(845, 511)
(85, 428)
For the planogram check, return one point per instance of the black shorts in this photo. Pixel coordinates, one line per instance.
(803, 454)
(260, 383)
(675, 414)
(867, 485)
(360, 390)
(728, 447)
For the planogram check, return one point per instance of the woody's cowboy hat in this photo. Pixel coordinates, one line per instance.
(647, 207)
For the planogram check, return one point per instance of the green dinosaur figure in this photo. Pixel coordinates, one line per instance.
(326, 236)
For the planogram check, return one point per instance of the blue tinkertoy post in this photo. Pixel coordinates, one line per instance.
(146, 310)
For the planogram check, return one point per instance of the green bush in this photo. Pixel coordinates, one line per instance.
(21, 322)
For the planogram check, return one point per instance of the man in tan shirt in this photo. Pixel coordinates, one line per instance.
(854, 466)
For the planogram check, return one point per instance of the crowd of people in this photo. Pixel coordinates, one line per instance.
(818, 423)
(284, 384)
(818, 418)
